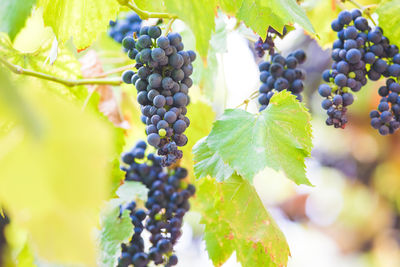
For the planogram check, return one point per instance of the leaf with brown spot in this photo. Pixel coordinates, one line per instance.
(108, 104)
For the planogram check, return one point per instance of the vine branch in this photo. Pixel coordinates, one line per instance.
(145, 14)
(68, 82)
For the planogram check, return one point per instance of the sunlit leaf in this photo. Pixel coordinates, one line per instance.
(13, 14)
(236, 220)
(389, 20)
(82, 20)
(116, 228)
(279, 137)
(64, 178)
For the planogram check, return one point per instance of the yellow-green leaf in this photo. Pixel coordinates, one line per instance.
(58, 179)
(236, 220)
(82, 20)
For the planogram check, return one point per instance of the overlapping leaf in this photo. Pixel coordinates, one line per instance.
(116, 228)
(389, 20)
(279, 137)
(13, 15)
(81, 20)
(52, 179)
(236, 220)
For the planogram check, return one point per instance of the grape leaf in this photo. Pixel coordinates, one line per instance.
(201, 117)
(200, 19)
(260, 14)
(82, 20)
(236, 220)
(115, 229)
(13, 15)
(279, 137)
(209, 163)
(66, 66)
(129, 191)
(389, 20)
(64, 179)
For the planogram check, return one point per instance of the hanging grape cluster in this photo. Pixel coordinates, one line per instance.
(279, 74)
(162, 81)
(121, 28)
(166, 205)
(361, 53)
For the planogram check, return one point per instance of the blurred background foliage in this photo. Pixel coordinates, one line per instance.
(60, 147)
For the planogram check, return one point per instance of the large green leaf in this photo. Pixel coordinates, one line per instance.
(82, 20)
(13, 14)
(115, 229)
(236, 220)
(279, 137)
(389, 20)
(258, 15)
(209, 163)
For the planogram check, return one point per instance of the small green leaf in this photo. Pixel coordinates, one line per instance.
(13, 14)
(389, 20)
(130, 190)
(82, 20)
(236, 220)
(260, 14)
(279, 137)
(209, 163)
(115, 229)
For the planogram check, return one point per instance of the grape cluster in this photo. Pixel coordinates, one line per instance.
(360, 53)
(119, 29)
(268, 45)
(167, 203)
(387, 117)
(162, 81)
(4, 220)
(279, 74)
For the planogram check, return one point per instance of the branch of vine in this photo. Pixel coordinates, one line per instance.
(67, 82)
(145, 14)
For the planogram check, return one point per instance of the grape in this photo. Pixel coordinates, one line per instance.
(353, 56)
(179, 126)
(159, 101)
(324, 90)
(170, 117)
(128, 42)
(157, 54)
(154, 80)
(180, 99)
(121, 29)
(154, 32)
(144, 41)
(127, 76)
(153, 139)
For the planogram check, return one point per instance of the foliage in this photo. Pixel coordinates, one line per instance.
(279, 137)
(59, 158)
(235, 220)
